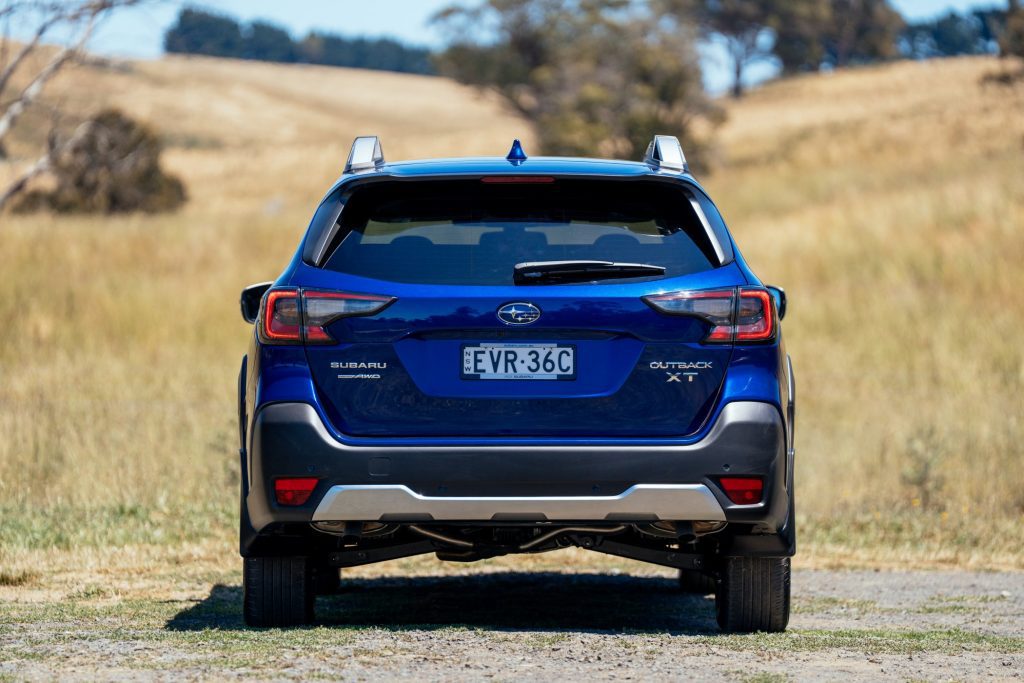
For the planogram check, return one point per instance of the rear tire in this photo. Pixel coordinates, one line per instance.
(753, 594)
(698, 583)
(277, 591)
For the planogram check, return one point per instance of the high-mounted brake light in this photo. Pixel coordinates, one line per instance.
(743, 490)
(291, 316)
(735, 315)
(294, 490)
(517, 180)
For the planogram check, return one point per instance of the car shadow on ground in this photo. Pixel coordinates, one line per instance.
(510, 601)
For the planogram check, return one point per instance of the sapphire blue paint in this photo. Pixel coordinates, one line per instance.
(396, 398)
(516, 155)
(616, 396)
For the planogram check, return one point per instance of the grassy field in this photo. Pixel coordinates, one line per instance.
(889, 202)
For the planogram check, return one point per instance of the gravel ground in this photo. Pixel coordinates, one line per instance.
(545, 626)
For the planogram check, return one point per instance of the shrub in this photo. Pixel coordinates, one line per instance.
(110, 165)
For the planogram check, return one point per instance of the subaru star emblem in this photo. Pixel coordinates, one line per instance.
(518, 313)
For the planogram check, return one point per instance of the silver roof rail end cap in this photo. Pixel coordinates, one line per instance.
(666, 153)
(366, 154)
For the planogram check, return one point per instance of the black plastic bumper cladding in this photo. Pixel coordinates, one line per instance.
(289, 439)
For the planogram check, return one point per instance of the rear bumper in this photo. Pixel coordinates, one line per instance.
(508, 483)
(398, 503)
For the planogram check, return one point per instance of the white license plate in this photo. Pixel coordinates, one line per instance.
(519, 361)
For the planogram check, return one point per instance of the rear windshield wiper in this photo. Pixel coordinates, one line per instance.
(555, 272)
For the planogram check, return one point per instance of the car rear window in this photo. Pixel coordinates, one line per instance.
(474, 233)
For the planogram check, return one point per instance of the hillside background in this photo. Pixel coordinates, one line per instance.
(888, 201)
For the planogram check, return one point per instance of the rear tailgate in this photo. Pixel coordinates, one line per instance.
(635, 372)
(463, 352)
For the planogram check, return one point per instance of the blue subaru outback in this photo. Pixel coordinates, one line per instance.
(485, 356)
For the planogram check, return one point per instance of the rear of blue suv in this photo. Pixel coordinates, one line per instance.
(478, 357)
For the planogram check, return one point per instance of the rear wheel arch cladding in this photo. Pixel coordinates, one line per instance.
(242, 422)
(790, 423)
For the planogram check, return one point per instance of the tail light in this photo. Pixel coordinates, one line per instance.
(292, 316)
(294, 491)
(280, 321)
(742, 490)
(322, 308)
(755, 316)
(735, 315)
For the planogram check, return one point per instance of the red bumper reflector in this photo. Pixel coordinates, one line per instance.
(742, 490)
(294, 491)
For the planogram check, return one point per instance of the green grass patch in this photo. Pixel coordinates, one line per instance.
(764, 677)
(221, 630)
(70, 527)
(814, 605)
(959, 604)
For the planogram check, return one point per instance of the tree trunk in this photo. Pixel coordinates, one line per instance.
(737, 80)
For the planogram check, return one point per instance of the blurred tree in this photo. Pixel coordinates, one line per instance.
(381, 53)
(993, 23)
(593, 76)
(110, 165)
(70, 24)
(267, 42)
(862, 31)
(957, 35)
(948, 35)
(743, 26)
(1011, 43)
(799, 27)
(202, 33)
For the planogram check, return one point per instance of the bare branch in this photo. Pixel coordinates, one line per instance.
(44, 163)
(51, 14)
(16, 108)
(81, 17)
(25, 51)
(40, 166)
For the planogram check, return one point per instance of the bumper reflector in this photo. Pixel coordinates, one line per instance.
(743, 490)
(295, 491)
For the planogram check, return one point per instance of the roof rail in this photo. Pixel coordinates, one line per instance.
(366, 154)
(666, 153)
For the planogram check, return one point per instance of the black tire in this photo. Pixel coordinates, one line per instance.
(698, 583)
(277, 591)
(753, 594)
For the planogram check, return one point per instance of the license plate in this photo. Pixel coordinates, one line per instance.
(519, 361)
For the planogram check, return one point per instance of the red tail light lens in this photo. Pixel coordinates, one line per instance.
(755, 319)
(715, 306)
(743, 315)
(280, 320)
(291, 316)
(743, 490)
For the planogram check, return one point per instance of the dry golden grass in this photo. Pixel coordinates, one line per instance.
(887, 201)
(890, 202)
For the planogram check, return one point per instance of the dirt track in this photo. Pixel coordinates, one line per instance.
(542, 626)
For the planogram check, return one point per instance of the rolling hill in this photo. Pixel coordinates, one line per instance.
(888, 201)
